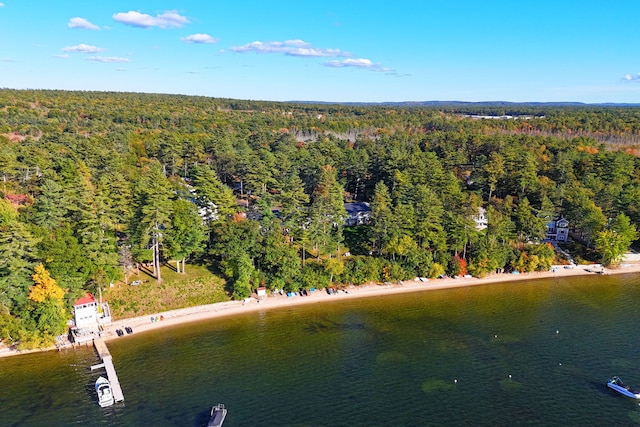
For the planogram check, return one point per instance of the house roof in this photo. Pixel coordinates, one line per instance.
(357, 207)
(86, 299)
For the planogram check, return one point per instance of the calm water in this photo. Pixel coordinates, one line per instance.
(529, 353)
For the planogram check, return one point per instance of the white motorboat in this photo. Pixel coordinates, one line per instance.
(218, 414)
(103, 390)
(616, 384)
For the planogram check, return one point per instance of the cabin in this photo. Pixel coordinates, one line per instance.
(85, 312)
(357, 213)
(558, 230)
(89, 313)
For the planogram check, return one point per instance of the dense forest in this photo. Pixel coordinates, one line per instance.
(94, 184)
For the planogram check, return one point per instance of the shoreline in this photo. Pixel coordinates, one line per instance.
(143, 324)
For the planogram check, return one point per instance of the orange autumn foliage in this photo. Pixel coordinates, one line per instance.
(588, 150)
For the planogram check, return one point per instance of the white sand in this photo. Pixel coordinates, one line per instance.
(229, 308)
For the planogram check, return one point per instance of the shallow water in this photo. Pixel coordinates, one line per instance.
(527, 353)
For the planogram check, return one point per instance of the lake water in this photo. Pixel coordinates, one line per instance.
(530, 353)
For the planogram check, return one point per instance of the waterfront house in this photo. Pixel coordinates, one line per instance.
(85, 312)
(558, 230)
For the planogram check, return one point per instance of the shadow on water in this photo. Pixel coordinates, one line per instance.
(90, 390)
(330, 325)
(202, 419)
(601, 388)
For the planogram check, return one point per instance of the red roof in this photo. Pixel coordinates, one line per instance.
(86, 299)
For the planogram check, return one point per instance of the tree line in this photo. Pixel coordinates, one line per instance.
(95, 183)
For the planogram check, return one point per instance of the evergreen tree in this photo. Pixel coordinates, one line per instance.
(153, 214)
(187, 233)
(429, 231)
(51, 205)
(529, 225)
(383, 226)
(214, 199)
(327, 212)
(17, 258)
(293, 201)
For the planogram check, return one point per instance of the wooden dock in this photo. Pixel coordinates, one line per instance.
(107, 363)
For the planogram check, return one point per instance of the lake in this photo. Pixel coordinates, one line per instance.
(536, 352)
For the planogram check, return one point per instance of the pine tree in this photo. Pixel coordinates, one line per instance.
(17, 258)
(327, 212)
(153, 213)
(186, 234)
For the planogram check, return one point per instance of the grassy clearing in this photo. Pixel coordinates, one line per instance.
(197, 286)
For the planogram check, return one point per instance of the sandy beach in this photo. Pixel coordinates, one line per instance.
(194, 314)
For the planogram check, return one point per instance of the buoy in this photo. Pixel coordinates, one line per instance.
(509, 375)
(557, 331)
(455, 381)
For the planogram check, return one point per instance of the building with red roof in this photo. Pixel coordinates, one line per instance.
(85, 311)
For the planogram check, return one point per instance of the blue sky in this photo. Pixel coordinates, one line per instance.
(337, 51)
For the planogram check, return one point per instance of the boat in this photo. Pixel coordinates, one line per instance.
(103, 389)
(218, 414)
(616, 384)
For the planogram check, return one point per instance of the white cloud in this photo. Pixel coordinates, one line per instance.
(62, 56)
(168, 19)
(363, 63)
(82, 48)
(110, 59)
(1, 4)
(82, 24)
(199, 38)
(631, 78)
(289, 47)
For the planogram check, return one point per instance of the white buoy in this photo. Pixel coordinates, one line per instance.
(509, 376)
(455, 381)
(557, 331)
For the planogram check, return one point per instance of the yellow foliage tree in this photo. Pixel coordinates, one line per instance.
(45, 286)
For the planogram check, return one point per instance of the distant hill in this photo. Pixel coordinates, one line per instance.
(474, 104)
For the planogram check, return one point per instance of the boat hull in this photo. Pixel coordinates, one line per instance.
(624, 390)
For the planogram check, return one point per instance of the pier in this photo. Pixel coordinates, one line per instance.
(107, 363)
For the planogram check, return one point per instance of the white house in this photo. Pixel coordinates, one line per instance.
(85, 312)
(558, 230)
(481, 219)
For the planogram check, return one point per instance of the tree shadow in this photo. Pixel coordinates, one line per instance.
(170, 267)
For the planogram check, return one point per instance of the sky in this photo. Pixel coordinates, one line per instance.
(330, 50)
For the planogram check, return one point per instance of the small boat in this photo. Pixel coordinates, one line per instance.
(218, 414)
(616, 384)
(103, 389)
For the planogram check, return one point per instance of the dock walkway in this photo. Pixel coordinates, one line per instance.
(107, 361)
